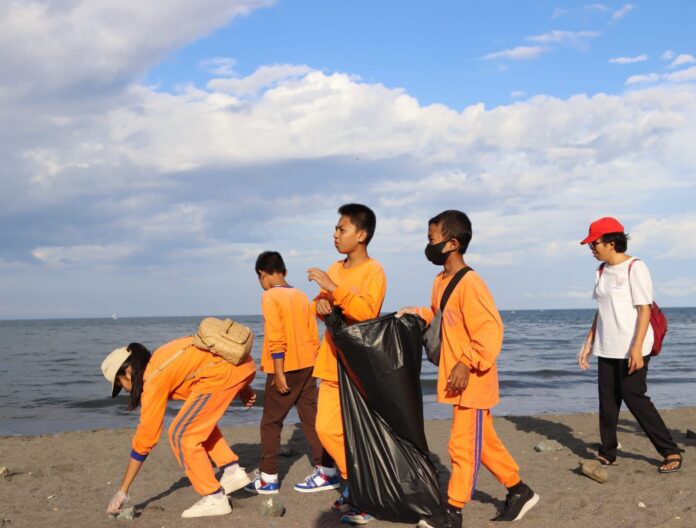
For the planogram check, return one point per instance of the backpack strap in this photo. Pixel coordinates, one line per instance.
(452, 285)
(164, 365)
(173, 358)
(601, 268)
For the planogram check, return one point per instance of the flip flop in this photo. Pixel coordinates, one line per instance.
(674, 460)
(605, 461)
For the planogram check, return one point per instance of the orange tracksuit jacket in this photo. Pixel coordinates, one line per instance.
(360, 293)
(289, 328)
(193, 434)
(472, 332)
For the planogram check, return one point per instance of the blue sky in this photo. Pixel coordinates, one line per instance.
(148, 156)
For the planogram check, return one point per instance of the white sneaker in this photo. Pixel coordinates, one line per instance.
(208, 506)
(234, 480)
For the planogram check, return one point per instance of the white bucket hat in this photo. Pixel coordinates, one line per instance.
(110, 367)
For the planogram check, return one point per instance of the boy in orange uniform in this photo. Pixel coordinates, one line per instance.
(357, 285)
(472, 336)
(290, 346)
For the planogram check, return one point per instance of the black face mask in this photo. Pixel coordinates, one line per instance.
(433, 252)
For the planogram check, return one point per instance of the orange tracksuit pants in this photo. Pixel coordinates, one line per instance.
(329, 424)
(196, 440)
(473, 442)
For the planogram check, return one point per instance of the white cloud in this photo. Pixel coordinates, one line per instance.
(88, 45)
(681, 76)
(678, 287)
(101, 253)
(518, 53)
(557, 36)
(263, 77)
(682, 60)
(643, 79)
(621, 13)
(596, 7)
(219, 66)
(686, 75)
(668, 55)
(669, 237)
(629, 60)
(515, 94)
(559, 12)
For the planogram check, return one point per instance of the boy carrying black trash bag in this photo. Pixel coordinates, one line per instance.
(471, 339)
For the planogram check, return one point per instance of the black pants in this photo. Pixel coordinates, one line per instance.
(615, 385)
(303, 395)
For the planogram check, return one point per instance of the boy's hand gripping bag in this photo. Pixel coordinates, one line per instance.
(390, 474)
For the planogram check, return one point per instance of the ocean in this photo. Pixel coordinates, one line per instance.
(50, 377)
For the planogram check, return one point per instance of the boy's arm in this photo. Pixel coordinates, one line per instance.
(484, 327)
(274, 328)
(366, 303)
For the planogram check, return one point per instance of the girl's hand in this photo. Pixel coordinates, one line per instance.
(635, 361)
(116, 503)
(585, 353)
(248, 396)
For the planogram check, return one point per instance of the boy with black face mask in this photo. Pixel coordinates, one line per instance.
(472, 336)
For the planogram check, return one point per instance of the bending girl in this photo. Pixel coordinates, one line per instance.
(208, 384)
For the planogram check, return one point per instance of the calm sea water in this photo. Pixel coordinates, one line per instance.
(51, 379)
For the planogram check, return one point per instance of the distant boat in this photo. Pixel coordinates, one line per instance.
(114, 316)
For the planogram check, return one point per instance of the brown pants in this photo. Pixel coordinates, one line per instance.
(303, 394)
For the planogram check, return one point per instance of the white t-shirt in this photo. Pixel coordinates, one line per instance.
(617, 298)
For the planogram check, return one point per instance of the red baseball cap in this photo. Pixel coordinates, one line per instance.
(601, 227)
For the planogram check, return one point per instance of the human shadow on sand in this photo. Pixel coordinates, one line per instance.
(565, 435)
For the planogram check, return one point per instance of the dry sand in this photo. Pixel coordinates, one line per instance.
(67, 480)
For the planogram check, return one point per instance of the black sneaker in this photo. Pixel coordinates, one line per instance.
(520, 499)
(449, 518)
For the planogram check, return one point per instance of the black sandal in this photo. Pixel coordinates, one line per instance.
(670, 460)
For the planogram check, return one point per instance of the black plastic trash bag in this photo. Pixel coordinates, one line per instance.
(390, 474)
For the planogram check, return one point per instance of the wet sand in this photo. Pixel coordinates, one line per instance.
(67, 480)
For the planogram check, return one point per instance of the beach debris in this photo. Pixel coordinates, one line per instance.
(272, 507)
(50, 497)
(547, 445)
(642, 505)
(126, 514)
(594, 470)
(690, 434)
(4, 472)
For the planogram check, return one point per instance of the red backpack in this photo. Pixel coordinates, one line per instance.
(658, 321)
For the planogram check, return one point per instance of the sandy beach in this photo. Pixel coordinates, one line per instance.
(66, 480)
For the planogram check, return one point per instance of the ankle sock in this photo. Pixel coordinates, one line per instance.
(269, 478)
(328, 471)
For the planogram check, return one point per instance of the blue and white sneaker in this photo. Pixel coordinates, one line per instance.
(260, 486)
(356, 517)
(318, 481)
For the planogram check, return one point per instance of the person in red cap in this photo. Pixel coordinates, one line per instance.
(621, 337)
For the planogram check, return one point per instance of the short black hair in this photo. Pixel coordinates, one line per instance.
(362, 217)
(620, 241)
(270, 262)
(454, 224)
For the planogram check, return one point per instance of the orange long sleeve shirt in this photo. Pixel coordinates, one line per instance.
(289, 330)
(472, 332)
(360, 294)
(171, 384)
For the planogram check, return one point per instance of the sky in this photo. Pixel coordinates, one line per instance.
(149, 153)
